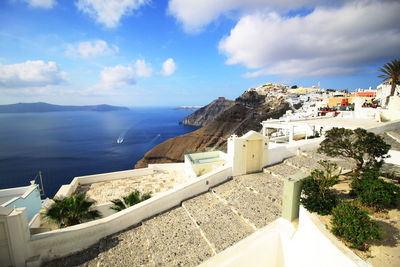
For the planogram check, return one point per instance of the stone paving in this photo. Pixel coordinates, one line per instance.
(199, 228)
(160, 181)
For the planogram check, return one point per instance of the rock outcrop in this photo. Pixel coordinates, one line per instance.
(207, 114)
(246, 114)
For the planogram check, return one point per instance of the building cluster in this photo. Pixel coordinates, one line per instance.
(311, 102)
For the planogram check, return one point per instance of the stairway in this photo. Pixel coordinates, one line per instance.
(201, 227)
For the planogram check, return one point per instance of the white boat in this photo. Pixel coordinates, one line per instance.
(120, 140)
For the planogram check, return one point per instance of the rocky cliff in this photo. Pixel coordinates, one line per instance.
(207, 114)
(245, 115)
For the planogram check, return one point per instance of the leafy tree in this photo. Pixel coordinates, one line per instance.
(72, 210)
(366, 148)
(391, 73)
(132, 199)
(317, 197)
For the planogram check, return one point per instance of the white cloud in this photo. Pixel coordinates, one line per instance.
(196, 14)
(168, 67)
(109, 12)
(328, 41)
(31, 74)
(142, 69)
(91, 49)
(47, 4)
(116, 77)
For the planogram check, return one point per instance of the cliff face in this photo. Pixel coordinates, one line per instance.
(207, 114)
(245, 115)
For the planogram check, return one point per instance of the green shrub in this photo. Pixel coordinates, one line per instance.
(132, 199)
(354, 225)
(316, 195)
(72, 210)
(373, 191)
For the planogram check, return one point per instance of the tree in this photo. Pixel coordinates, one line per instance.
(391, 73)
(366, 148)
(132, 199)
(72, 210)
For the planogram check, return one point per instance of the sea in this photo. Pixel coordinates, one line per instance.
(63, 145)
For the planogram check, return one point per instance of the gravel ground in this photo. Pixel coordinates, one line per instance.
(257, 209)
(266, 184)
(222, 227)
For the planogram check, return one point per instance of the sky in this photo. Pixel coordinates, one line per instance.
(188, 52)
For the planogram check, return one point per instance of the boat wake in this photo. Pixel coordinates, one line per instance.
(155, 138)
(121, 137)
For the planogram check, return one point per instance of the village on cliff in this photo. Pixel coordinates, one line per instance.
(232, 200)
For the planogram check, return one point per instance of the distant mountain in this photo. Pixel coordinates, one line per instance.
(207, 114)
(247, 113)
(45, 107)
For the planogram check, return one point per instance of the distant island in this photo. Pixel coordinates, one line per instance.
(45, 107)
(190, 107)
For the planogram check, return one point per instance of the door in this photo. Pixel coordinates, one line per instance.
(254, 154)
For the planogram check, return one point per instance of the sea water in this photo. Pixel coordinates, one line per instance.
(63, 145)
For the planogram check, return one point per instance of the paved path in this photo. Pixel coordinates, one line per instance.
(202, 226)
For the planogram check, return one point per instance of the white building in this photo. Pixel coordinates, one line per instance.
(383, 91)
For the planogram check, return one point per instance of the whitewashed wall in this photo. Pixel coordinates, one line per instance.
(65, 241)
(279, 152)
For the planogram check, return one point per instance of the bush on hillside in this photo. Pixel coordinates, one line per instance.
(354, 225)
(316, 195)
(373, 191)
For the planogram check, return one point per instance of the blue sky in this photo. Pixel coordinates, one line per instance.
(188, 52)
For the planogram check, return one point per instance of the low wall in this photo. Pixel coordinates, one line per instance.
(188, 167)
(65, 241)
(279, 152)
(210, 154)
(262, 248)
(68, 190)
(313, 245)
(203, 168)
(198, 169)
(29, 198)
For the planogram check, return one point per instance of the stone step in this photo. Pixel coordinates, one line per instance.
(392, 138)
(220, 225)
(175, 240)
(126, 248)
(346, 164)
(266, 184)
(281, 170)
(254, 207)
(305, 164)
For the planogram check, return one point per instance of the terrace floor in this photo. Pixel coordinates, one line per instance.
(160, 181)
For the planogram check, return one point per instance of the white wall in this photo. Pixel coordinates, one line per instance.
(65, 241)
(394, 157)
(197, 169)
(263, 248)
(281, 244)
(313, 245)
(279, 152)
